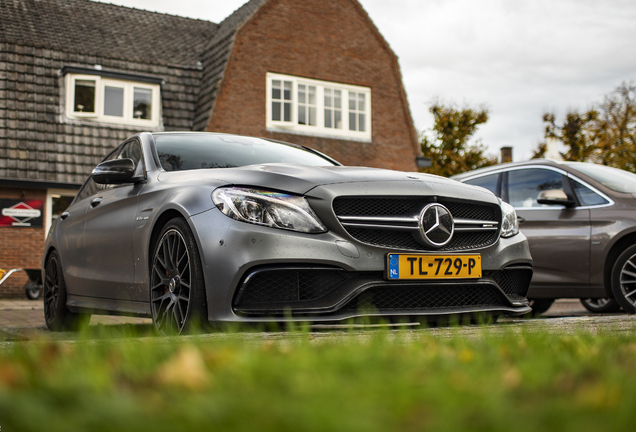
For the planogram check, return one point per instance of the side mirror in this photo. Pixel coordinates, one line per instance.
(554, 197)
(116, 171)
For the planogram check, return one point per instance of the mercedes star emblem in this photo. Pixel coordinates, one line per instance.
(436, 225)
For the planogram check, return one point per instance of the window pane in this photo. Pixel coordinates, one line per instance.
(524, 186)
(84, 96)
(352, 121)
(489, 182)
(114, 101)
(288, 90)
(275, 89)
(142, 103)
(587, 196)
(327, 97)
(337, 99)
(337, 119)
(361, 104)
(301, 115)
(312, 95)
(352, 101)
(312, 116)
(287, 112)
(301, 93)
(362, 123)
(276, 111)
(328, 118)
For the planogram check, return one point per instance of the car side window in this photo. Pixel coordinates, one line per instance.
(587, 196)
(489, 182)
(524, 186)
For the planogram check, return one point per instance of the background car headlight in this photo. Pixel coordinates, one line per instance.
(509, 222)
(268, 208)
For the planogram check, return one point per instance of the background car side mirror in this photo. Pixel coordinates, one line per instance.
(116, 171)
(555, 197)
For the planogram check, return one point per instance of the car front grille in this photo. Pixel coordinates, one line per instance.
(289, 286)
(327, 290)
(393, 222)
(514, 281)
(388, 297)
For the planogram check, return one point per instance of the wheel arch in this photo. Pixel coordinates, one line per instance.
(159, 223)
(617, 248)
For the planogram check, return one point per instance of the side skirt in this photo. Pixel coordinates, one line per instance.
(101, 306)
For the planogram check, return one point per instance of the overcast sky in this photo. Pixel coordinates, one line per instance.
(518, 58)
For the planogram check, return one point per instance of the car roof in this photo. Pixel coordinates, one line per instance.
(499, 167)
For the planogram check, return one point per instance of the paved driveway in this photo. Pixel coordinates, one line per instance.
(24, 320)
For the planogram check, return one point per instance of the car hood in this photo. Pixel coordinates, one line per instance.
(295, 178)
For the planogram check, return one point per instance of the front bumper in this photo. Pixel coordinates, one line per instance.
(254, 273)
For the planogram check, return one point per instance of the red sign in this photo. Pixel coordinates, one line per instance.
(21, 213)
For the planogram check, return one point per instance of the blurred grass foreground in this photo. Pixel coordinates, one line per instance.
(357, 381)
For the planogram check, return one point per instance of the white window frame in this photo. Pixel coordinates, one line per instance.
(318, 130)
(100, 84)
(48, 208)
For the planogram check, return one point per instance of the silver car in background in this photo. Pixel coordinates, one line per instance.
(580, 221)
(216, 228)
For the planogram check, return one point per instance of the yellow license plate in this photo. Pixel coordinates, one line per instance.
(420, 266)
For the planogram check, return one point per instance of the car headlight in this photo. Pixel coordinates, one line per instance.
(268, 208)
(509, 223)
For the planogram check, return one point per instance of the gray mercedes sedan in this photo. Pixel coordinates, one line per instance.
(190, 228)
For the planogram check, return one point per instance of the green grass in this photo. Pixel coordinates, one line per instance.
(362, 381)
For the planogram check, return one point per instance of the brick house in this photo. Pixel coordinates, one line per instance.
(77, 77)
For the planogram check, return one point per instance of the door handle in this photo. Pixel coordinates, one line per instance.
(96, 202)
(520, 219)
(64, 215)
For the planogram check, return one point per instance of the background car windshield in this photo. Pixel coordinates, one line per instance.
(179, 152)
(613, 178)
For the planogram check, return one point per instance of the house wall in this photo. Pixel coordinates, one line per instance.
(37, 143)
(330, 40)
(21, 246)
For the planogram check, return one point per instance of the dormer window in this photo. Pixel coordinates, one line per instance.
(112, 97)
(318, 108)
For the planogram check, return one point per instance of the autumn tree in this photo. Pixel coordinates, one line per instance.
(447, 143)
(615, 131)
(605, 134)
(577, 133)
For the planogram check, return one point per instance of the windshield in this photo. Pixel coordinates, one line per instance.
(612, 178)
(178, 152)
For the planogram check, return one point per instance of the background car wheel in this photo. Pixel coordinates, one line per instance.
(56, 314)
(540, 306)
(32, 290)
(177, 289)
(624, 279)
(601, 305)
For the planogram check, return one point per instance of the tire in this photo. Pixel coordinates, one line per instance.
(177, 289)
(540, 306)
(56, 314)
(624, 279)
(601, 305)
(32, 290)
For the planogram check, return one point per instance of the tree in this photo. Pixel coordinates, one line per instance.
(605, 134)
(576, 132)
(616, 128)
(447, 142)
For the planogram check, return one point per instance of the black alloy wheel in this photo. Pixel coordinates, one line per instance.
(624, 279)
(177, 292)
(56, 314)
(601, 305)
